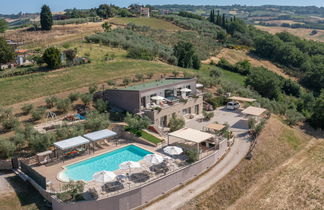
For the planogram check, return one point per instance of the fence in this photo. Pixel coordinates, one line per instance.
(147, 192)
(39, 179)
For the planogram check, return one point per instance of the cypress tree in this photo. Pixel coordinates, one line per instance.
(46, 18)
(211, 16)
(223, 20)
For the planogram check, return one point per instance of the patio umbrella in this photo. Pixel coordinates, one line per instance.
(154, 159)
(129, 165)
(104, 176)
(186, 90)
(157, 98)
(173, 150)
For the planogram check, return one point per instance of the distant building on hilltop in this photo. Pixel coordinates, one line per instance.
(145, 12)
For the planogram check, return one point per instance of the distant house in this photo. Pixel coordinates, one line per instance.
(159, 100)
(145, 12)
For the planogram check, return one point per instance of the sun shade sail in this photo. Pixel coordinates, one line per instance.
(251, 110)
(215, 126)
(237, 98)
(192, 135)
(72, 142)
(99, 135)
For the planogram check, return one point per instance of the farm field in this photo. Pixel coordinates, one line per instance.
(288, 177)
(20, 88)
(301, 32)
(233, 56)
(154, 23)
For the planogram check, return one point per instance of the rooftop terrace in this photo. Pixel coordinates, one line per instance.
(160, 83)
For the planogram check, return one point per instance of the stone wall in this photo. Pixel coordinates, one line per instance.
(5, 165)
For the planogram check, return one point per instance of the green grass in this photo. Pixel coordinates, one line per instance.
(290, 137)
(227, 75)
(150, 137)
(21, 88)
(154, 23)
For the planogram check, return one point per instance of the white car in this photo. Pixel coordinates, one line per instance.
(232, 105)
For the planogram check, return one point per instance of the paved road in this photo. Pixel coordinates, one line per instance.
(231, 160)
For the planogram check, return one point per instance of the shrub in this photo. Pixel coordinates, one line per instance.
(208, 115)
(100, 105)
(176, 124)
(126, 81)
(52, 57)
(93, 88)
(140, 53)
(175, 73)
(149, 75)
(50, 102)
(10, 123)
(215, 73)
(96, 121)
(293, 117)
(63, 105)
(111, 83)
(38, 114)
(74, 97)
(7, 148)
(27, 108)
(86, 99)
(192, 156)
(137, 123)
(139, 77)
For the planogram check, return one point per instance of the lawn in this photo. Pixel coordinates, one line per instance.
(154, 23)
(227, 75)
(150, 137)
(21, 88)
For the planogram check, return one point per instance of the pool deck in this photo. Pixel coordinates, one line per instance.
(51, 171)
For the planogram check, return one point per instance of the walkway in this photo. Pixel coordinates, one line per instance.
(238, 151)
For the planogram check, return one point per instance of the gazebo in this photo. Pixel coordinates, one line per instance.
(72, 147)
(193, 136)
(101, 135)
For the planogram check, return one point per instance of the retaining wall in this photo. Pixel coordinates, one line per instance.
(146, 193)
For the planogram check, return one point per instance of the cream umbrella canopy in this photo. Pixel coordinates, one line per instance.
(104, 176)
(173, 150)
(157, 98)
(185, 90)
(154, 159)
(129, 165)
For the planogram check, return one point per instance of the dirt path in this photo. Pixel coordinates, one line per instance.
(179, 198)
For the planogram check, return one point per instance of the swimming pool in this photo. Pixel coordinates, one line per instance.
(109, 161)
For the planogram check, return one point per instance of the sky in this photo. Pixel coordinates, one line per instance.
(15, 6)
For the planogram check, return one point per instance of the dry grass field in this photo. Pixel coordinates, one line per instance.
(286, 172)
(301, 32)
(59, 34)
(233, 56)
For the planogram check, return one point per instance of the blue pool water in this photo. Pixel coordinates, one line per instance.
(109, 162)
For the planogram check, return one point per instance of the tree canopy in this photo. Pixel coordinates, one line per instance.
(52, 57)
(46, 18)
(7, 52)
(186, 55)
(3, 25)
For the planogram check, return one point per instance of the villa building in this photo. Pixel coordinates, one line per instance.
(159, 100)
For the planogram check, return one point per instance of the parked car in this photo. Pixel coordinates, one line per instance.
(232, 105)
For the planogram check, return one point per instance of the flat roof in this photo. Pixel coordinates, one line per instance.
(237, 98)
(252, 110)
(160, 83)
(99, 135)
(215, 126)
(192, 135)
(72, 142)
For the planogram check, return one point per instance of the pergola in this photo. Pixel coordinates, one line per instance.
(241, 99)
(100, 135)
(71, 143)
(191, 135)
